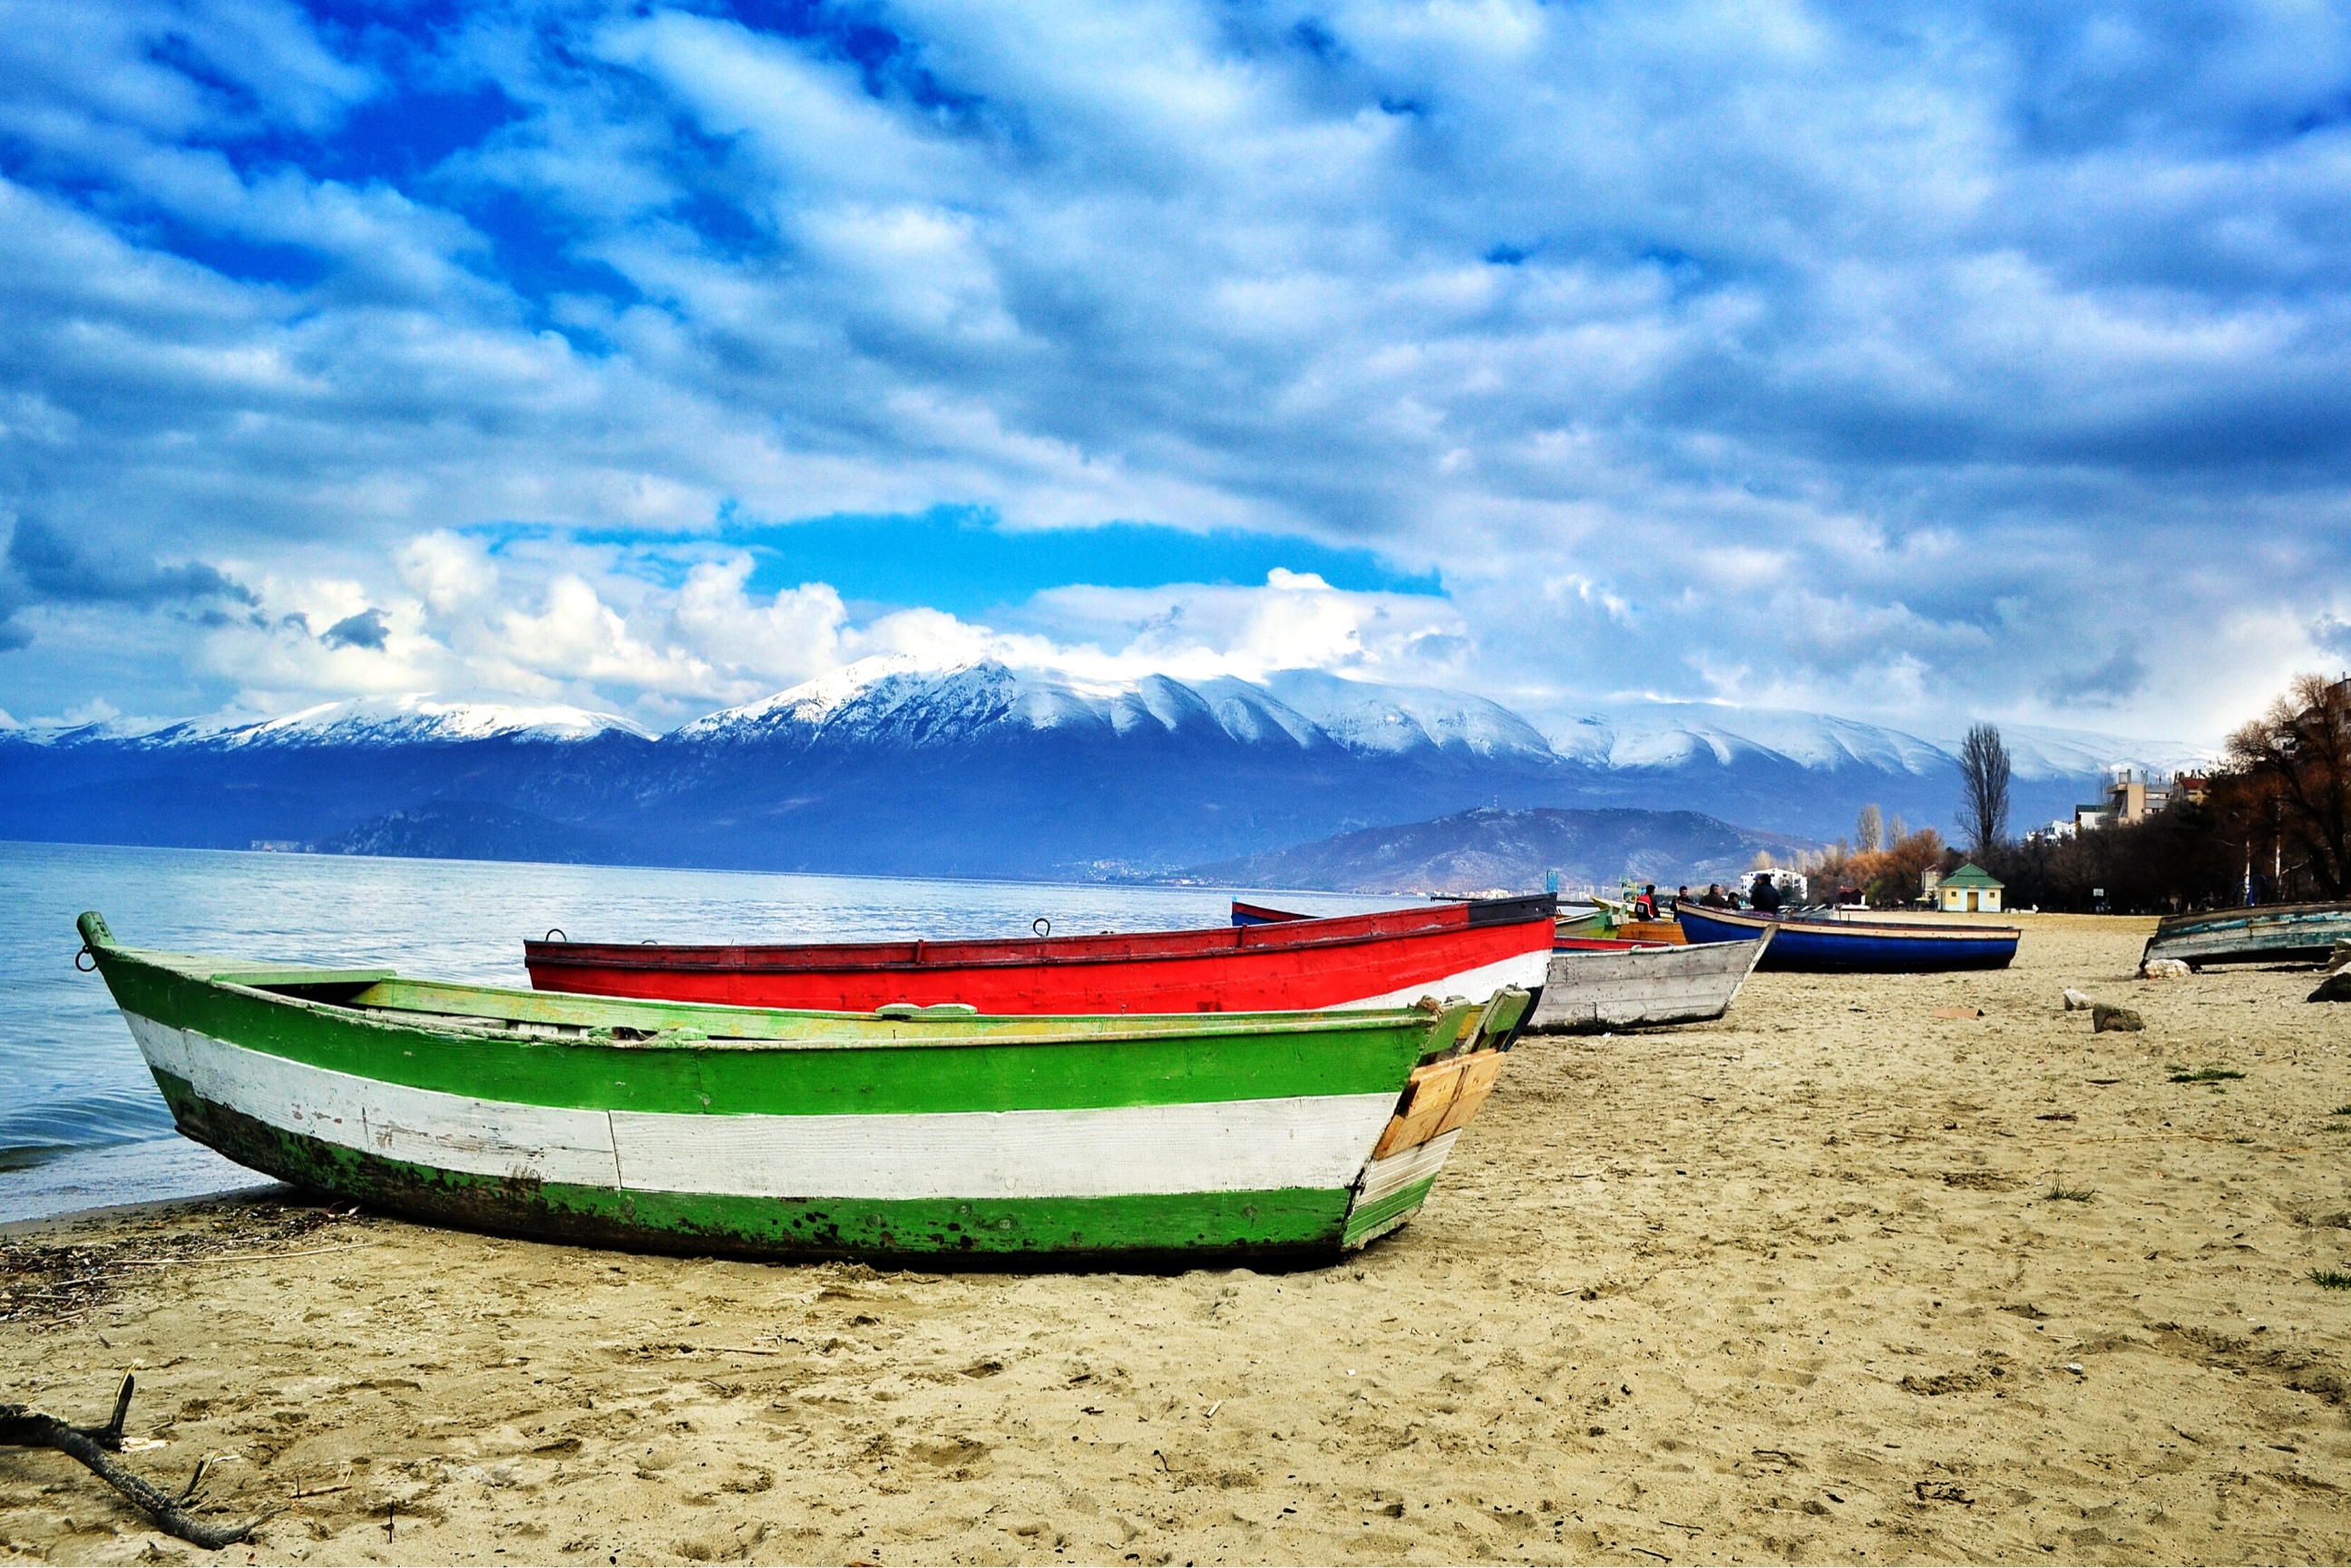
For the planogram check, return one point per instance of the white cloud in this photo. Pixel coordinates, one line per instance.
(565, 623)
(780, 642)
(1293, 620)
(1921, 360)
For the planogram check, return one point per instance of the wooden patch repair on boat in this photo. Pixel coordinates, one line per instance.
(1441, 1098)
(1443, 1094)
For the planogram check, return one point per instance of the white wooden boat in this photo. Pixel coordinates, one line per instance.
(1641, 987)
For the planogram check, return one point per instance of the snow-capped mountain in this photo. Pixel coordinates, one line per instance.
(380, 722)
(1671, 735)
(414, 720)
(896, 699)
(982, 769)
(1396, 720)
(2043, 753)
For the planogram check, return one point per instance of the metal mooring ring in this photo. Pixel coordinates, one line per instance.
(1041, 927)
(84, 953)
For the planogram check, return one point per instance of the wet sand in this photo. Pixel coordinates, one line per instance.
(1793, 1286)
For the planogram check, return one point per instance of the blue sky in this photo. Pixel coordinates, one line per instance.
(1916, 363)
(963, 560)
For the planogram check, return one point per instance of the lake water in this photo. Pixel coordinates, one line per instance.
(81, 1124)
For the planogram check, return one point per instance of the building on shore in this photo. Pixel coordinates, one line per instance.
(1970, 890)
(2135, 795)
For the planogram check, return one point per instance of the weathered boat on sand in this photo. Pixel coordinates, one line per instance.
(1855, 946)
(765, 1133)
(1387, 959)
(2264, 934)
(1641, 986)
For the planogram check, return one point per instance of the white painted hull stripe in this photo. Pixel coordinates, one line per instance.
(1320, 1141)
(1405, 1167)
(1525, 971)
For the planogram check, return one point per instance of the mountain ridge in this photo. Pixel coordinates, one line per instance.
(1517, 852)
(975, 768)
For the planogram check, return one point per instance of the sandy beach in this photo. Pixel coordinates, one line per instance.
(1796, 1286)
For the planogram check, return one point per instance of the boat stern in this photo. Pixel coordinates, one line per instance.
(1443, 1094)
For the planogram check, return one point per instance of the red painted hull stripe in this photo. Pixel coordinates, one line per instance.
(1159, 972)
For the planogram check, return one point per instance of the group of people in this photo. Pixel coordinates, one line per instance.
(1763, 898)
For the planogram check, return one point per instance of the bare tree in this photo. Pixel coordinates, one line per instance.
(1983, 775)
(1869, 830)
(2300, 753)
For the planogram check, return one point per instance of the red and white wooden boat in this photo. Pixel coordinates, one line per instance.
(1389, 960)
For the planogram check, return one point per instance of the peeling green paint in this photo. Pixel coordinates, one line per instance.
(1132, 1230)
(1375, 1220)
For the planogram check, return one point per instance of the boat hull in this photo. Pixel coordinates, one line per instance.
(1385, 960)
(1822, 947)
(2271, 934)
(1589, 991)
(976, 1140)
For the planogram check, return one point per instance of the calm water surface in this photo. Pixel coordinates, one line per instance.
(80, 1121)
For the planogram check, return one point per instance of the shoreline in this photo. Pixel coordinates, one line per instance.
(1818, 1280)
(128, 1174)
(260, 1189)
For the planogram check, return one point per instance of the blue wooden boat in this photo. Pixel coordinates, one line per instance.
(1857, 947)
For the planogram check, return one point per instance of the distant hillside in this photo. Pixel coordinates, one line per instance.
(470, 830)
(1515, 850)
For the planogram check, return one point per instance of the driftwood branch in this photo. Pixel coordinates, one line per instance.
(24, 1428)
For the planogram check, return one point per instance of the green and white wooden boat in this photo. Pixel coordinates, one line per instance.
(905, 1134)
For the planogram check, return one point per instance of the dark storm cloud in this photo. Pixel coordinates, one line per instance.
(365, 630)
(2110, 683)
(51, 567)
